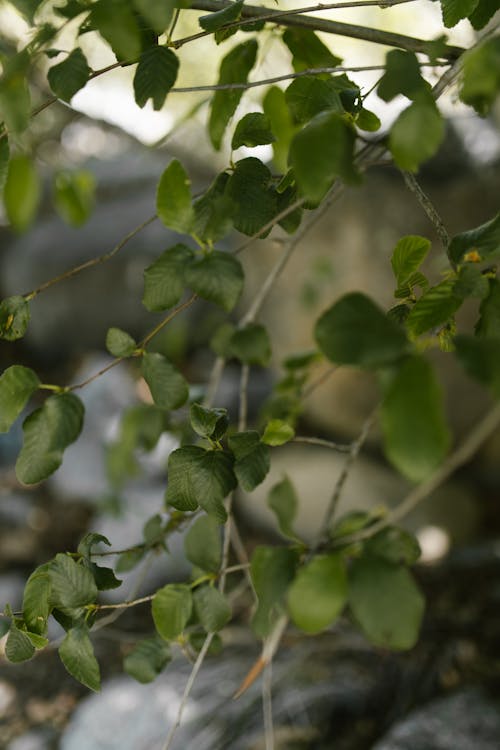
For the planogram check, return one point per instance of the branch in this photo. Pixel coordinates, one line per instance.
(427, 205)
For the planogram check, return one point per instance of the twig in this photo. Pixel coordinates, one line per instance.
(427, 205)
(340, 447)
(214, 381)
(267, 706)
(243, 397)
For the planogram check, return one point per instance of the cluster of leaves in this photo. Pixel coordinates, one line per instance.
(314, 125)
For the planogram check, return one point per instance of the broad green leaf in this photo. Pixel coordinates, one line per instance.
(171, 609)
(203, 544)
(254, 129)
(36, 600)
(368, 121)
(434, 308)
(386, 602)
(488, 325)
(77, 655)
(481, 243)
(120, 343)
(104, 577)
(219, 343)
(38, 641)
(155, 75)
(168, 387)
(4, 625)
(408, 255)
(252, 459)
(147, 659)
(15, 100)
(154, 531)
(308, 51)
(277, 432)
(481, 76)
(14, 318)
(416, 438)
(471, 282)
(406, 143)
(282, 126)
(214, 21)
(19, 646)
(251, 345)
(74, 195)
(164, 279)
(234, 68)
(217, 277)
(272, 569)
(212, 608)
(308, 96)
(485, 9)
(213, 212)
(318, 594)
(322, 151)
(158, 15)
(4, 161)
(394, 545)
(252, 195)
(70, 75)
(116, 23)
(17, 384)
(21, 192)
(72, 584)
(402, 76)
(481, 359)
(47, 433)
(284, 503)
(407, 289)
(454, 10)
(208, 423)
(173, 198)
(355, 331)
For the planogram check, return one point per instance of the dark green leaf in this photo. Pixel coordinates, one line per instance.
(318, 594)
(212, 608)
(173, 198)
(74, 195)
(406, 143)
(272, 569)
(213, 212)
(77, 655)
(14, 318)
(19, 646)
(402, 76)
(483, 242)
(117, 24)
(208, 423)
(251, 345)
(254, 129)
(394, 545)
(22, 192)
(454, 10)
(70, 75)
(309, 95)
(283, 501)
(277, 432)
(17, 384)
(368, 121)
(282, 126)
(481, 76)
(434, 308)
(488, 325)
(36, 600)
(252, 458)
(147, 659)
(481, 359)
(253, 199)
(217, 277)
(120, 343)
(89, 541)
(153, 531)
(155, 75)
(214, 21)
(158, 15)
(203, 545)
(164, 279)
(4, 161)
(105, 578)
(308, 51)
(471, 282)
(408, 255)
(168, 387)
(171, 609)
(72, 584)
(485, 9)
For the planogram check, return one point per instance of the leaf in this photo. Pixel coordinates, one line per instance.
(212, 608)
(36, 600)
(322, 151)
(74, 194)
(355, 331)
(213, 211)
(309, 95)
(203, 545)
(17, 384)
(15, 100)
(214, 21)
(434, 308)
(218, 278)
(485, 9)
(488, 325)
(14, 318)
(19, 646)
(77, 655)
(272, 569)
(402, 76)
(116, 23)
(155, 75)
(318, 594)
(4, 161)
(283, 501)
(253, 198)
(308, 51)
(158, 15)
(147, 659)
(394, 545)
(252, 459)
(70, 75)
(416, 438)
(168, 387)
(368, 121)
(251, 345)
(47, 433)
(481, 359)
(208, 423)
(173, 198)
(128, 560)
(254, 129)
(454, 10)
(386, 602)
(21, 192)
(406, 143)
(481, 76)
(164, 279)
(234, 68)
(72, 584)
(483, 241)
(27, 8)
(277, 432)
(171, 609)
(471, 282)
(120, 343)
(282, 126)
(105, 578)
(408, 255)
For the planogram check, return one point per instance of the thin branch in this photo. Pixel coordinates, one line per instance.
(243, 397)
(340, 447)
(141, 577)
(126, 604)
(427, 205)
(214, 381)
(267, 706)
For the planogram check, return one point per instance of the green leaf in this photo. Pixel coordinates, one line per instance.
(282, 126)
(171, 609)
(481, 359)
(481, 76)
(173, 198)
(202, 544)
(488, 325)
(208, 423)
(164, 279)
(36, 600)
(14, 318)
(321, 152)
(128, 560)
(17, 384)
(252, 195)
(22, 192)
(105, 578)
(72, 584)
(47, 433)
(355, 331)
(277, 432)
(272, 569)
(251, 345)
(406, 143)
(402, 76)
(4, 161)
(38, 641)
(254, 129)
(368, 121)
(77, 655)
(120, 343)
(386, 602)
(213, 211)
(252, 459)
(471, 282)
(74, 194)
(70, 75)
(214, 21)
(27, 8)
(234, 68)
(485, 9)
(212, 608)
(217, 277)
(147, 659)
(15, 100)
(168, 387)
(434, 308)
(308, 51)
(408, 255)
(284, 503)
(309, 95)
(394, 545)
(116, 23)
(141, 427)
(158, 15)
(155, 75)
(483, 242)
(416, 438)
(454, 10)
(318, 594)
(19, 646)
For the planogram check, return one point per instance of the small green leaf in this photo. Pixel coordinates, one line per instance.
(89, 541)
(434, 308)
(481, 77)
(36, 600)
(318, 594)
(171, 609)
(308, 51)
(218, 278)
(17, 384)
(120, 343)
(278, 432)
(14, 318)
(19, 646)
(386, 602)
(173, 198)
(74, 195)
(4, 161)
(272, 569)
(214, 21)
(72, 584)
(355, 331)
(203, 545)
(252, 195)
(15, 100)
(164, 279)
(117, 24)
(488, 325)
(454, 10)
(406, 143)
(283, 501)
(47, 433)
(251, 345)
(22, 192)
(155, 75)
(254, 129)
(481, 359)
(77, 655)
(38, 641)
(309, 95)
(213, 211)
(252, 459)
(147, 659)
(212, 608)
(168, 387)
(282, 126)
(128, 560)
(408, 255)
(402, 76)
(368, 121)
(208, 423)
(105, 578)
(70, 75)
(416, 438)
(394, 545)
(482, 241)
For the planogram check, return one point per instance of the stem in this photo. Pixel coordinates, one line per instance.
(267, 706)
(427, 205)
(340, 447)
